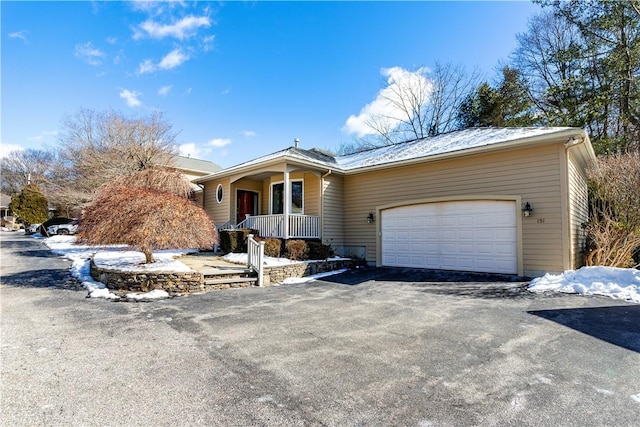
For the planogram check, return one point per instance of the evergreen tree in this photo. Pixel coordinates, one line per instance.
(506, 105)
(30, 206)
(588, 67)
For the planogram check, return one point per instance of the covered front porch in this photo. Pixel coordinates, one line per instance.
(292, 226)
(282, 201)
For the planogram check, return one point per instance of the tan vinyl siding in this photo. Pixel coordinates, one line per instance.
(531, 173)
(332, 211)
(578, 210)
(218, 211)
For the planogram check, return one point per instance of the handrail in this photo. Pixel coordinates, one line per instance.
(255, 257)
(224, 225)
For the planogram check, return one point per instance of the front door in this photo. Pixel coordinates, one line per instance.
(247, 204)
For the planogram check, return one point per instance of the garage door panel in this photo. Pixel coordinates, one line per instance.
(467, 235)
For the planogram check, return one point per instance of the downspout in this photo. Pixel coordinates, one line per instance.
(202, 186)
(322, 203)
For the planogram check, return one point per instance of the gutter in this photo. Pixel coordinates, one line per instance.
(500, 146)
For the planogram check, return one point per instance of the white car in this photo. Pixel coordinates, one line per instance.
(33, 228)
(62, 229)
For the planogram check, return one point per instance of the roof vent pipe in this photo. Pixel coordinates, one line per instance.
(296, 142)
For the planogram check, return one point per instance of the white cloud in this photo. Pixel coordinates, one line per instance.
(146, 66)
(248, 133)
(22, 35)
(173, 59)
(384, 108)
(190, 150)
(182, 29)
(131, 97)
(43, 135)
(5, 149)
(219, 142)
(111, 40)
(226, 91)
(164, 90)
(89, 53)
(207, 43)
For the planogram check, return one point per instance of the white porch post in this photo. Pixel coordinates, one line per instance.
(286, 209)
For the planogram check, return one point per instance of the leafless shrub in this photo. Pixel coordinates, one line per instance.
(297, 249)
(272, 247)
(614, 228)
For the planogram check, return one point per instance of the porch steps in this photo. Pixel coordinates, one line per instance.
(225, 278)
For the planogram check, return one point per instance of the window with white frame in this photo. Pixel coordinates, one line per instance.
(297, 197)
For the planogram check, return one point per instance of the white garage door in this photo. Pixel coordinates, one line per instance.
(477, 235)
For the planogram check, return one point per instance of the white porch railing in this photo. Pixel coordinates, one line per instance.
(255, 255)
(300, 226)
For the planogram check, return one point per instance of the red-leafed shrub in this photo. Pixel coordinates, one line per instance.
(145, 218)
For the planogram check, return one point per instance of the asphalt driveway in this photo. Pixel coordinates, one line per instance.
(371, 347)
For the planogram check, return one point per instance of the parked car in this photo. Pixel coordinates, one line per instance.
(43, 229)
(32, 229)
(63, 229)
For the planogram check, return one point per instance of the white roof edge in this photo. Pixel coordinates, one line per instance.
(517, 142)
(553, 133)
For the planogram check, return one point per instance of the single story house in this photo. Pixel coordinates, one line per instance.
(7, 219)
(503, 200)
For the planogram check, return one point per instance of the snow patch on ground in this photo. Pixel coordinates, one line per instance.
(617, 283)
(296, 280)
(243, 258)
(117, 257)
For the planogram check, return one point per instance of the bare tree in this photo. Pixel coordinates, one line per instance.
(20, 168)
(582, 59)
(416, 104)
(98, 147)
(549, 57)
(147, 210)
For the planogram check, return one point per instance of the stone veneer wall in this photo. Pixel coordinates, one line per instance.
(187, 282)
(134, 281)
(273, 275)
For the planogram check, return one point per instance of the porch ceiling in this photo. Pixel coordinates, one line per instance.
(266, 174)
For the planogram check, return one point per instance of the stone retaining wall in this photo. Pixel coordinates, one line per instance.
(275, 275)
(135, 281)
(187, 282)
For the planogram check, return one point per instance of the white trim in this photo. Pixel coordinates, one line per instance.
(221, 198)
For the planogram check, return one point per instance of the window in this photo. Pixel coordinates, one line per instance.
(297, 198)
(219, 193)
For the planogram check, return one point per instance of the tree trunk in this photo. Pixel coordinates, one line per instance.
(148, 255)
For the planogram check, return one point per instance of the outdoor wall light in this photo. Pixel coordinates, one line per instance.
(370, 218)
(526, 211)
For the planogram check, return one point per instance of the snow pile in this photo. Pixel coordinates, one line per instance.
(618, 283)
(117, 257)
(243, 258)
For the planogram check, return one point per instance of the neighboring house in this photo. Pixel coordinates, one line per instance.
(7, 219)
(456, 201)
(193, 169)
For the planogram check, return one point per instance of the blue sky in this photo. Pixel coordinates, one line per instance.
(237, 80)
